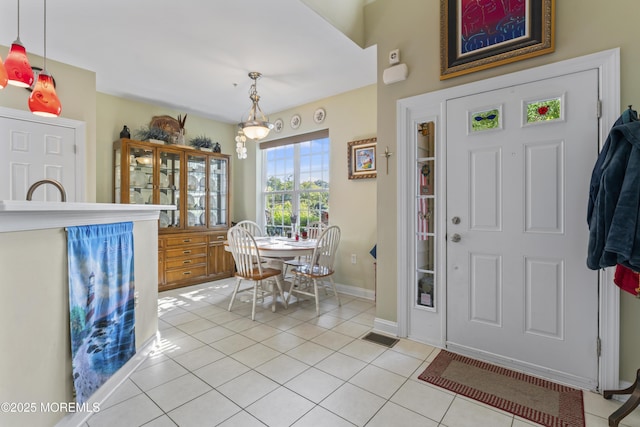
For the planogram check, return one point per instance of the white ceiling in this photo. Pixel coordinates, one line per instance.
(194, 55)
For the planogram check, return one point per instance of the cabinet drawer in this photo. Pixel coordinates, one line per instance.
(185, 273)
(186, 240)
(187, 251)
(185, 262)
(217, 237)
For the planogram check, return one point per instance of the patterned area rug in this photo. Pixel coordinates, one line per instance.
(535, 399)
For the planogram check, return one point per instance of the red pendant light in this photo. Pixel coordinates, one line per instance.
(3, 75)
(17, 64)
(43, 100)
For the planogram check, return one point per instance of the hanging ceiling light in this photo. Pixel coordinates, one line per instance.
(43, 100)
(256, 126)
(17, 64)
(3, 75)
(241, 148)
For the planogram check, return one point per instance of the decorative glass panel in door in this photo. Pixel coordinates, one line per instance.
(218, 188)
(196, 190)
(168, 185)
(425, 217)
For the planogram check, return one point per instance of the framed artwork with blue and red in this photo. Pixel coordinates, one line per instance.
(480, 34)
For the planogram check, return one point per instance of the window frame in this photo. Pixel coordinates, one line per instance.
(296, 192)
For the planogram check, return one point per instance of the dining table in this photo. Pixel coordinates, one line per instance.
(277, 249)
(281, 247)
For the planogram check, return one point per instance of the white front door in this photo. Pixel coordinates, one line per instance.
(32, 151)
(518, 289)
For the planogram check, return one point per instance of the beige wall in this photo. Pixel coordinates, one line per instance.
(413, 27)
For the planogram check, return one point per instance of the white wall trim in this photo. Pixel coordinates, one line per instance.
(385, 326)
(356, 291)
(608, 64)
(80, 141)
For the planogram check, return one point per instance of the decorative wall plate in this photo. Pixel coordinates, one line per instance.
(278, 125)
(319, 115)
(295, 121)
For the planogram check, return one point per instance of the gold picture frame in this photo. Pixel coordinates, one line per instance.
(361, 158)
(473, 39)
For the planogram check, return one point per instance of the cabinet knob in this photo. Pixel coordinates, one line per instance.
(186, 240)
(186, 273)
(188, 261)
(220, 237)
(187, 252)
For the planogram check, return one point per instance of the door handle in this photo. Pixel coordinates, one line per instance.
(456, 238)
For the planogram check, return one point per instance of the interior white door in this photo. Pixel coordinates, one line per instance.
(518, 290)
(35, 151)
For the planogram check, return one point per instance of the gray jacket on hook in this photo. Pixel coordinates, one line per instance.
(614, 223)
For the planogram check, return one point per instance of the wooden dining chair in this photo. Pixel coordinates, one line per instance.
(249, 267)
(309, 277)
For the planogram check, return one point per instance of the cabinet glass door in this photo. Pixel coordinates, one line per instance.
(218, 188)
(168, 185)
(196, 190)
(117, 175)
(141, 164)
(425, 216)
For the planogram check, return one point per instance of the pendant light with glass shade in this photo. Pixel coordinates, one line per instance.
(256, 126)
(17, 65)
(4, 78)
(43, 100)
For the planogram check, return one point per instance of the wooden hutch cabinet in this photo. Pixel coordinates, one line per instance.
(191, 237)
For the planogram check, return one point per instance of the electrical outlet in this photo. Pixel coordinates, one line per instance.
(394, 56)
(353, 258)
(136, 298)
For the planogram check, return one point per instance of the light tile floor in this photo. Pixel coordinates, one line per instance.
(291, 368)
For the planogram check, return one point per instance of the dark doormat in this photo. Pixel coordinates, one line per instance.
(541, 401)
(381, 339)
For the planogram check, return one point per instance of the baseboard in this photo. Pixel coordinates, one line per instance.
(102, 394)
(385, 326)
(355, 291)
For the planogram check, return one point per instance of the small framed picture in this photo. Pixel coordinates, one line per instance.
(361, 157)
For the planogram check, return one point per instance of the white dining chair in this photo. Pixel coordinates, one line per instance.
(309, 277)
(314, 230)
(249, 267)
(251, 226)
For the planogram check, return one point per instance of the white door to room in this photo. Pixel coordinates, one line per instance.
(32, 150)
(518, 289)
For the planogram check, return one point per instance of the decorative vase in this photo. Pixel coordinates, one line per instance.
(216, 148)
(124, 133)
